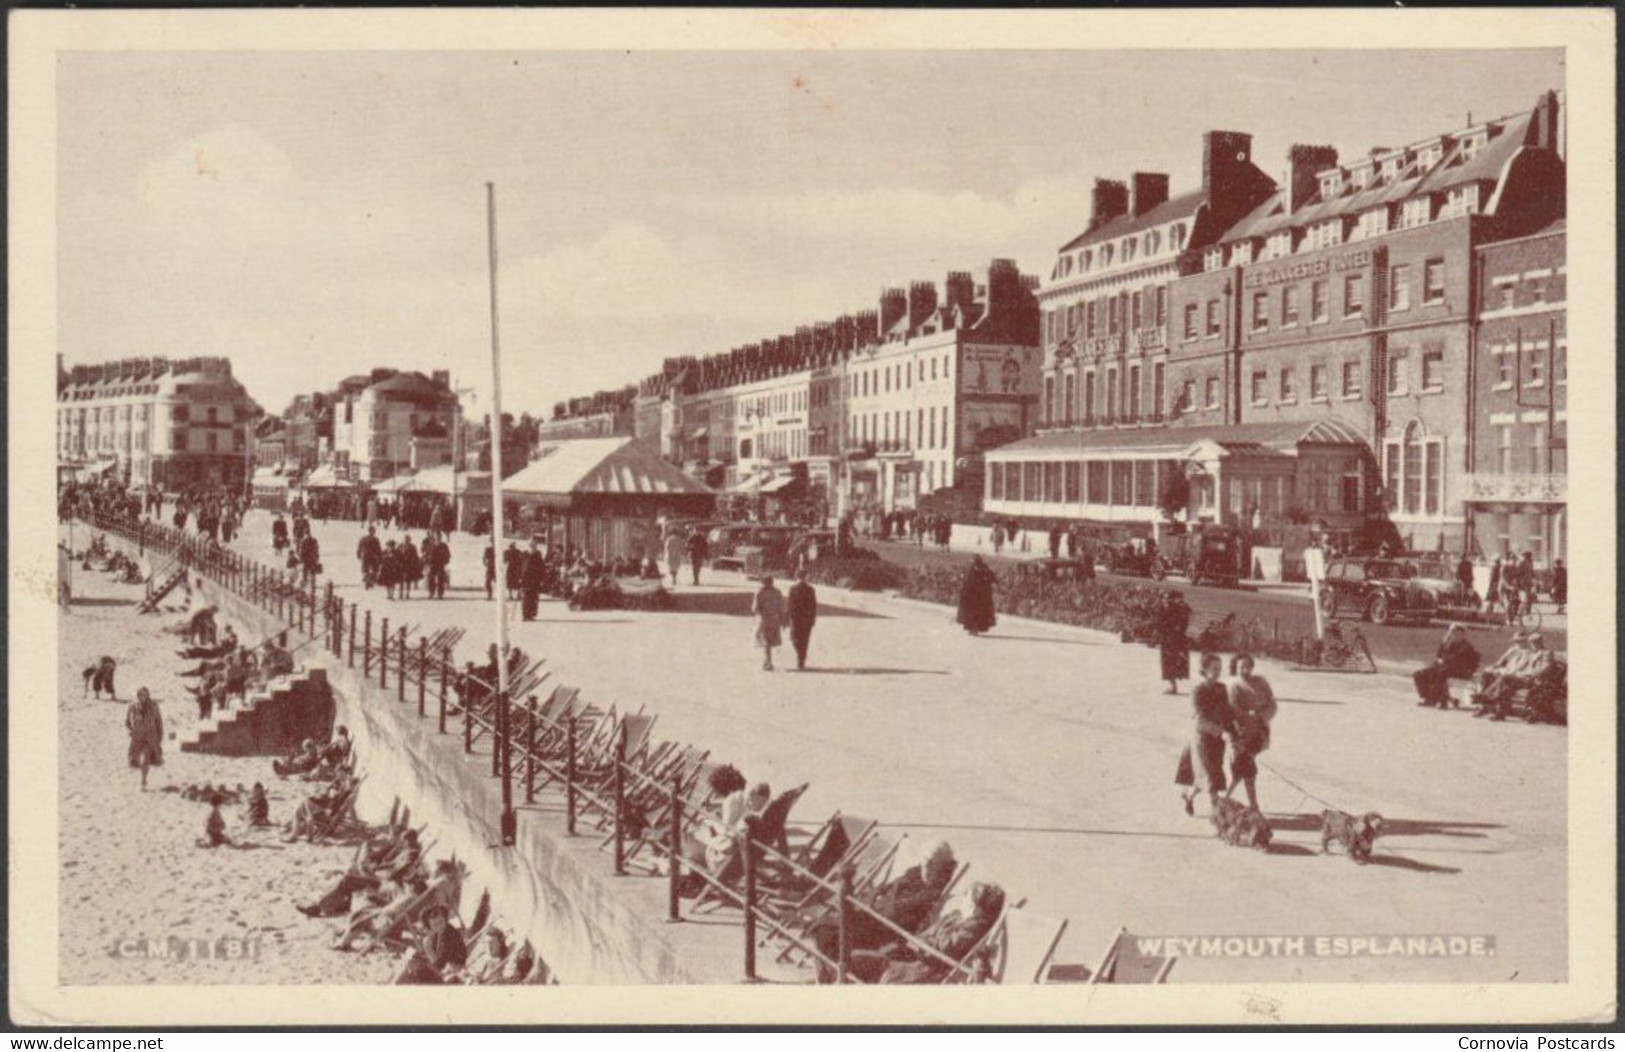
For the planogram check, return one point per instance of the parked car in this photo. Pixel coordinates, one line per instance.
(765, 550)
(1438, 575)
(1379, 590)
(1210, 555)
(1136, 557)
(722, 540)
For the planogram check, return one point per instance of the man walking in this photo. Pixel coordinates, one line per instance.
(531, 582)
(698, 549)
(803, 602)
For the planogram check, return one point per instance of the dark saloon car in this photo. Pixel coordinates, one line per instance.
(1381, 591)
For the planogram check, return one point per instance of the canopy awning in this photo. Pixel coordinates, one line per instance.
(324, 476)
(782, 485)
(1272, 439)
(614, 467)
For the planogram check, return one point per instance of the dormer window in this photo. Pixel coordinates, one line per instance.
(1371, 223)
(1213, 258)
(1461, 201)
(1241, 252)
(1416, 211)
(1176, 240)
(1105, 255)
(1279, 244)
(1130, 245)
(1430, 155)
(1471, 145)
(1085, 259)
(1360, 177)
(1331, 184)
(1153, 242)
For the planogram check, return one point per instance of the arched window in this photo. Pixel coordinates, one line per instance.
(1129, 246)
(1105, 255)
(1153, 242)
(1085, 259)
(1177, 239)
(1413, 472)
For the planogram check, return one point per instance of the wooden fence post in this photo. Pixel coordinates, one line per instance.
(674, 852)
(748, 846)
(423, 675)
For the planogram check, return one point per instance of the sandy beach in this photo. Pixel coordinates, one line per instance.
(132, 877)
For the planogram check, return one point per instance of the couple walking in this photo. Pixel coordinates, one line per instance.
(1242, 711)
(772, 611)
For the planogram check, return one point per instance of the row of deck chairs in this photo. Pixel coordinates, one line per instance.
(798, 866)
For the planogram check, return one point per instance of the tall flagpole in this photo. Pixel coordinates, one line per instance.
(500, 739)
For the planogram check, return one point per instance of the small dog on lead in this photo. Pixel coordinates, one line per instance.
(1357, 835)
(1239, 825)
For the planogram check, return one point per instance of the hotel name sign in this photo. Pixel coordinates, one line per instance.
(1310, 268)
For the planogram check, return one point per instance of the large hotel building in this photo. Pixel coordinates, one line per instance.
(868, 412)
(1370, 337)
(163, 423)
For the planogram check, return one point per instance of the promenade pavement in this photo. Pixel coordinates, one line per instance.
(1045, 756)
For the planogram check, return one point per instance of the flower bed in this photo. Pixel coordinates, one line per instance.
(862, 574)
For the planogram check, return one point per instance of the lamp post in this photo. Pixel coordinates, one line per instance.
(509, 820)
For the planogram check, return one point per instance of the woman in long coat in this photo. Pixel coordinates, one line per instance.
(1173, 638)
(146, 726)
(1201, 765)
(768, 606)
(976, 598)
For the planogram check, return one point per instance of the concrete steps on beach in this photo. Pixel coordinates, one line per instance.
(272, 722)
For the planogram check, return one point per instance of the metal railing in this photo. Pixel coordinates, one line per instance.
(625, 788)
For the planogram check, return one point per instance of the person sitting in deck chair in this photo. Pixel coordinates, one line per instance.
(305, 758)
(909, 901)
(438, 952)
(957, 933)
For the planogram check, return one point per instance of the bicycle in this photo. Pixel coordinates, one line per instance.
(1526, 618)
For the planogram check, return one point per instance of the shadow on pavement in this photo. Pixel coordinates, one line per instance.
(737, 604)
(877, 671)
(88, 601)
(1309, 701)
(1398, 862)
(1045, 639)
(1391, 827)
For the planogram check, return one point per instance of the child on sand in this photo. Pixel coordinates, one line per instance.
(214, 829)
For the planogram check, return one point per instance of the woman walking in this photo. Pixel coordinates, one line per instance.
(976, 598)
(1173, 639)
(146, 726)
(768, 606)
(1202, 762)
(1252, 703)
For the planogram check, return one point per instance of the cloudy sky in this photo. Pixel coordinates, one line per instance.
(314, 214)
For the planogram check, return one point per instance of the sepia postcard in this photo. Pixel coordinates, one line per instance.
(818, 505)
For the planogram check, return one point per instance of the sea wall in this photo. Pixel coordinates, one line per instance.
(589, 925)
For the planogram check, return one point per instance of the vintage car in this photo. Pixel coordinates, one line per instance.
(1438, 575)
(1211, 555)
(1378, 590)
(1059, 569)
(780, 552)
(1135, 557)
(762, 546)
(722, 540)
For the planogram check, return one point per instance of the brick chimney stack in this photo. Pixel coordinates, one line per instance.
(922, 301)
(1226, 156)
(1108, 201)
(961, 292)
(893, 308)
(1149, 189)
(1304, 165)
(866, 327)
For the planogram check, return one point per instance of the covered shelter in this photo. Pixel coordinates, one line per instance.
(605, 496)
(1234, 475)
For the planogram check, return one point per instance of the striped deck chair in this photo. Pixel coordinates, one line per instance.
(1031, 944)
(727, 884)
(690, 771)
(823, 854)
(1124, 963)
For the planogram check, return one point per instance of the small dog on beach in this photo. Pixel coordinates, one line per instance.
(1355, 834)
(1239, 825)
(100, 677)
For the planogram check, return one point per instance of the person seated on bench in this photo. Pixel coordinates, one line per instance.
(955, 934)
(1523, 663)
(1456, 659)
(908, 901)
